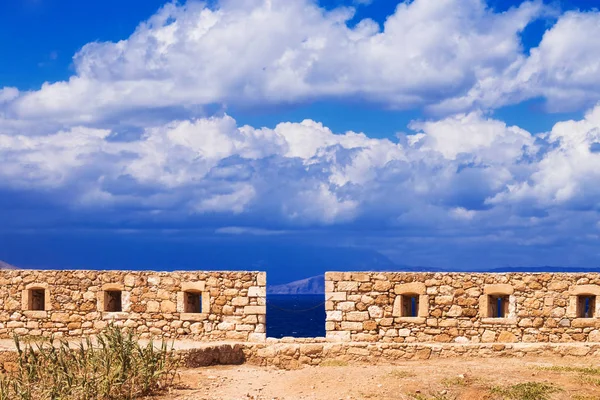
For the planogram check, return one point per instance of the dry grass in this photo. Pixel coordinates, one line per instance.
(526, 391)
(402, 374)
(117, 367)
(443, 395)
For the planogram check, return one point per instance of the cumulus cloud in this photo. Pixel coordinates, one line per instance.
(299, 174)
(279, 51)
(563, 70)
(567, 174)
(130, 134)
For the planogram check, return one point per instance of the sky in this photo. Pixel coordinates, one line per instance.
(297, 136)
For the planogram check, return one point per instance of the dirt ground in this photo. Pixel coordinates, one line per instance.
(440, 379)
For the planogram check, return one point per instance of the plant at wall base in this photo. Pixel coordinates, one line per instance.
(115, 366)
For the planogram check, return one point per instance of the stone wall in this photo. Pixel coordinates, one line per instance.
(459, 307)
(198, 305)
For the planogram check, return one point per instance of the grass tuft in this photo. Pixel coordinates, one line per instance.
(401, 374)
(526, 391)
(581, 370)
(116, 367)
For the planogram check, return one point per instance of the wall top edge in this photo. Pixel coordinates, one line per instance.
(133, 271)
(463, 273)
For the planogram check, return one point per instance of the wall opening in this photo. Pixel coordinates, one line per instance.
(192, 302)
(410, 305)
(112, 301)
(37, 299)
(498, 306)
(296, 308)
(586, 306)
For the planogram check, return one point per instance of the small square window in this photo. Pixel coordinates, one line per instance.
(37, 299)
(586, 306)
(192, 302)
(112, 301)
(498, 306)
(410, 305)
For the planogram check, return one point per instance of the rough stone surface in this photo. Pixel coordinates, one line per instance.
(152, 304)
(454, 307)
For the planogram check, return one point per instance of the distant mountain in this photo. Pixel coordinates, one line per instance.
(5, 265)
(312, 285)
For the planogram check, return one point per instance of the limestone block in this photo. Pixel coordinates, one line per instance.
(369, 325)
(257, 337)
(488, 336)
(382, 286)
(360, 277)
(60, 317)
(444, 300)
(375, 312)
(404, 332)
(506, 337)
(338, 336)
(257, 291)
(329, 286)
(336, 296)
(455, 311)
(168, 306)
(422, 354)
(413, 287)
(352, 326)
(334, 315)
(346, 306)
(195, 328)
(152, 306)
(357, 316)
(226, 326)
(240, 301)
(594, 336)
(558, 286)
(244, 327)
(261, 279)
(498, 289)
(347, 286)
(260, 310)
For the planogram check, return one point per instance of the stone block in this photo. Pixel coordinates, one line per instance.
(257, 291)
(352, 326)
(259, 310)
(336, 296)
(334, 315)
(357, 316)
(347, 286)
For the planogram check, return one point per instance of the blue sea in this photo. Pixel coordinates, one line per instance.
(295, 315)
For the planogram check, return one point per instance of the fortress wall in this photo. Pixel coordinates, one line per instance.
(200, 305)
(460, 307)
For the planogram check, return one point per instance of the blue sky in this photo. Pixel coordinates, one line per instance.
(145, 134)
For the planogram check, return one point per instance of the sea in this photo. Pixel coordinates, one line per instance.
(295, 315)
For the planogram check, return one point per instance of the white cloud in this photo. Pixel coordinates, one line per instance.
(298, 173)
(563, 69)
(462, 175)
(280, 51)
(567, 174)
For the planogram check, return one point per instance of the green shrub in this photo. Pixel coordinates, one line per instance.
(115, 367)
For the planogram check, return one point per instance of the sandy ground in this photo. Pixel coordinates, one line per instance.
(443, 379)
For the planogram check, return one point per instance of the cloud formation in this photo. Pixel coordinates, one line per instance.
(129, 135)
(461, 168)
(278, 51)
